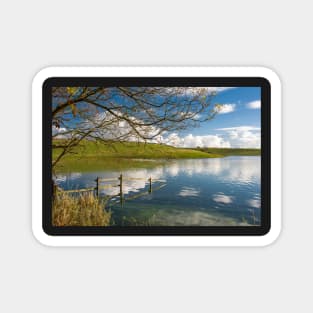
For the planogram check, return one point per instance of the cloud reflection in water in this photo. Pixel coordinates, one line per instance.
(198, 192)
(188, 192)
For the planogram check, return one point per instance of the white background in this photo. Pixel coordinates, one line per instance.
(36, 34)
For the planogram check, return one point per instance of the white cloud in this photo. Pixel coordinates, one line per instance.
(243, 136)
(208, 89)
(219, 89)
(240, 128)
(232, 137)
(191, 141)
(254, 104)
(59, 132)
(204, 141)
(225, 108)
(173, 140)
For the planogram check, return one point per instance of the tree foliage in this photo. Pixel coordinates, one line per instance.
(111, 114)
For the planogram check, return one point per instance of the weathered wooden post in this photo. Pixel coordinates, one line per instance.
(97, 187)
(150, 187)
(121, 187)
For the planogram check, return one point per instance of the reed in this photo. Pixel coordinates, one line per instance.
(82, 210)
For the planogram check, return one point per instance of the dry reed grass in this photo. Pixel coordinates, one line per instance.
(83, 210)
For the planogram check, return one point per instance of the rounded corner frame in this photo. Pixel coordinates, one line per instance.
(158, 241)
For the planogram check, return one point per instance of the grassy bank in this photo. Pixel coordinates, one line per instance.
(92, 156)
(132, 150)
(89, 164)
(231, 151)
(89, 155)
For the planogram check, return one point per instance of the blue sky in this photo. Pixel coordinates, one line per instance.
(241, 116)
(237, 125)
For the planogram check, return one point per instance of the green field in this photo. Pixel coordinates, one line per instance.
(231, 151)
(90, 155)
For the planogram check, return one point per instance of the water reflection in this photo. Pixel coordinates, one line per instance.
(242, 170)
(222, 191)
(254, 203)
(221, 198)
(197, 218)
(188, 192)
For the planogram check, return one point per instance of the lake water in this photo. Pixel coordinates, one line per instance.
(198, 192)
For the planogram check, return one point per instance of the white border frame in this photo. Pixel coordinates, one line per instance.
(156, 241)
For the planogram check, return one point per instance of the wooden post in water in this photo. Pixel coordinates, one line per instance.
(150, 187)
(97, 187)
(121, 187)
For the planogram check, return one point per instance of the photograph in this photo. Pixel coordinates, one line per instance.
(156, 156)
(151, 156)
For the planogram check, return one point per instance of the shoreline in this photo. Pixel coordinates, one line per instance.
(90, 164)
